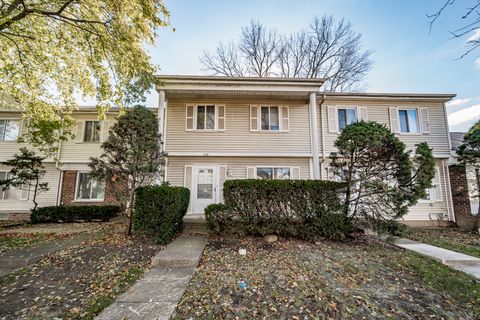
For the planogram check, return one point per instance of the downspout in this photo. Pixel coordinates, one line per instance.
(57, 166)
(450, 208)
(314, 136)
(161, 119)
(323, 135)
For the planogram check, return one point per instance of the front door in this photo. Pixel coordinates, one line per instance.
(204, 187)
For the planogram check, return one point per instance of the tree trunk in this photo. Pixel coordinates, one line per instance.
(34, 199)
(130, 212)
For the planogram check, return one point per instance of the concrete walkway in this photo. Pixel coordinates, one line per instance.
(9, 261)
(455, 260)
(156, 295)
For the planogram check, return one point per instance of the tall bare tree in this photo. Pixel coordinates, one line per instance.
(470, 22)
(327, 49)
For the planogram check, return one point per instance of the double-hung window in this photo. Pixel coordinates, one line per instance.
(92, 131)
(9, 129)
(205, 118)
(408, 119)
(3, 192)
(89, 188)
(345, 117)
(273, 173)
(269, 119)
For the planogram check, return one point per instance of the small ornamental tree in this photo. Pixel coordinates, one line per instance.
(469, 155)
(131, 157)
(382, 180)
(26, 173)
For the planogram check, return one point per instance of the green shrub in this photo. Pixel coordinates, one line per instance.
(74, 213)
(307, 209)
(159, 211)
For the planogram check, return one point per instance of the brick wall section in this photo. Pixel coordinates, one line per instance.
(68, 191)
(461, 201)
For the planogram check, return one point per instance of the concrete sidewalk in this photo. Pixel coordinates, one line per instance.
(15, 259)
(455, 260)
(156, 296)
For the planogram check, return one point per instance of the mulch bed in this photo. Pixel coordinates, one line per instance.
(291, 279)
(77, 282)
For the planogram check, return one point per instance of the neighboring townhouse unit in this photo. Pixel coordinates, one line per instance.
(219, 128)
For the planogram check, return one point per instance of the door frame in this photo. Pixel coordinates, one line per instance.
(195, 167)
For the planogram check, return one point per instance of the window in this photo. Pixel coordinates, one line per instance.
(434, 194)
(9, 130)
(89, 188)
(270, 119)
(408, 120)
(3, 192)
(92, 131)
(205, 117)
(266, 173)
(346, 117)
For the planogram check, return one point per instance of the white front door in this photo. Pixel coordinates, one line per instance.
(204, 187)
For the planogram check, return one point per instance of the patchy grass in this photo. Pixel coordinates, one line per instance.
(9, 242)
(292, 279)
(467, 242)
(79, 282)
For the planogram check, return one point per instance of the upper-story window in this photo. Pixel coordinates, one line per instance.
(408, 119)
(346, 116)
(205, 118)
(92, 131)
(269, 118)
(9, 129)
(89, 188)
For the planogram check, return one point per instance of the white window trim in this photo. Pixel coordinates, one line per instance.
(337, 107)
(19, 130)
(195, 107)
(419, 133)
(75, 199)
(20, 194)
(99, 134)
(431, 191)
(2, 192)
(280, 119)
(273, 170)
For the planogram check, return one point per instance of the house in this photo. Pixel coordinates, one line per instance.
(219, 128)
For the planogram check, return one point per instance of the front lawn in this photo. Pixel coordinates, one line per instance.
(293, 279)
(79, 282)
(467, 242)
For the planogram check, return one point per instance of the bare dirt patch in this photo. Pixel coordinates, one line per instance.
(77, 282)
(292, 279)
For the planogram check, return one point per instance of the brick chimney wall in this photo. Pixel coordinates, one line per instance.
(460, 197)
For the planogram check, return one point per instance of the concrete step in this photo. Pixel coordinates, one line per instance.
(183, 252)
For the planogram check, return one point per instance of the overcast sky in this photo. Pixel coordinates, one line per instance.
(407, 58)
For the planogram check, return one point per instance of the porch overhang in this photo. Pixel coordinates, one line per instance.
(212, 87)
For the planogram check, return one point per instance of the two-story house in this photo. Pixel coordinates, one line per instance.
(219, 128)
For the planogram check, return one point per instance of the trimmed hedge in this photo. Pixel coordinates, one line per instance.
(159, 211)
(74, 213)
(306, 209)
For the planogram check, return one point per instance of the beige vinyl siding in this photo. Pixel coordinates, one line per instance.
(72, 151)
(237, 165)
(47, 198)
(425, 210)
(379, 112)
(237, 137)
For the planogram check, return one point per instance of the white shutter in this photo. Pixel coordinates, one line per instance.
(221, 116)
(362, 114)
(187, 178)
(251, 173)
(295, 173)
(437, 185)
(394, 126)
(222, 176)
(332, 119)
(190, 115)
(254, 118)
(23, 129)
(424, 121)
(24, 192)
(285, 120)
(105, 128)
(80, 131)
